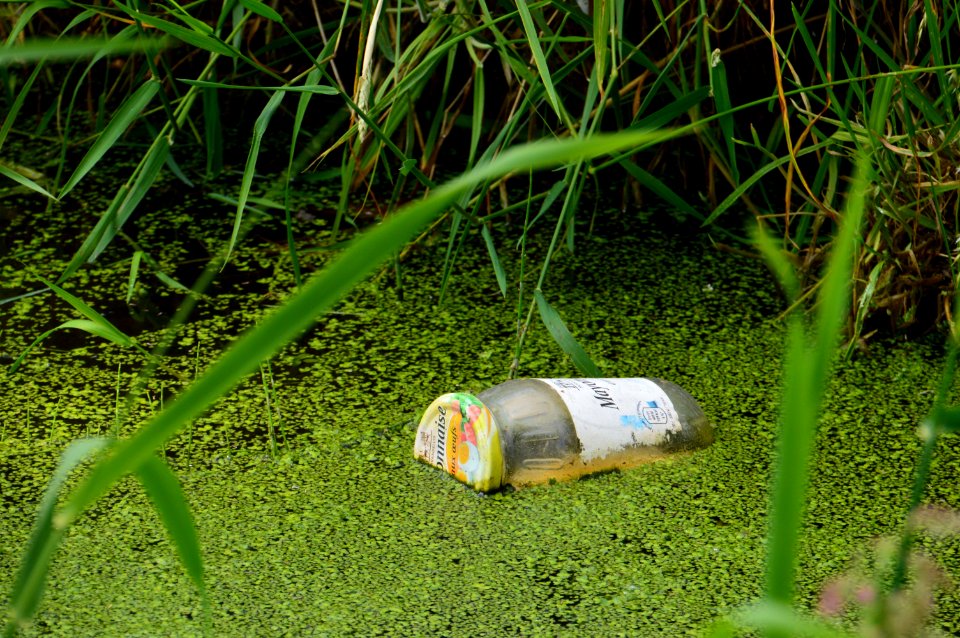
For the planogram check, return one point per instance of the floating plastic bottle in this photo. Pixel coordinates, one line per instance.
(529, 431)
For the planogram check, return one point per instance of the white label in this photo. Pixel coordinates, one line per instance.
(611, 415)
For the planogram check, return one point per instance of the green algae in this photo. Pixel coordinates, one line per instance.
(346, 533)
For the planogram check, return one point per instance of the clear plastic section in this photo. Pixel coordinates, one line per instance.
(536, 431)
(539, 440)
(696, 430)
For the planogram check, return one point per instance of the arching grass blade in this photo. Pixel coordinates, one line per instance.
(259, 128)
(126, 114)
(567, 342)
(44, 539)
(23, 180)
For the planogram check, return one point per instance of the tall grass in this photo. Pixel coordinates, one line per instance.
(811, 351)
(498, 77)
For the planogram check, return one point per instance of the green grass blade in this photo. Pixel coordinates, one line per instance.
(134, 272)
(259, 128)
(757, 176)
(170, 281)
(495, 260)
(571, 203)
(834, 298)
(863, 306)
(93, 238)
(658, 188)
(14, 108)
(26, 14)
(721, 96)
(318, 89)
(23, 355)
(167, 496)
(196, 24)
(312, 78)
(147, 174)
(805, 379)
(567, 342)
(212, 131)
(130, 110)
(85, 16)
(262, 10)
(177, 172)
(98, 329)
(430, 146)
(207, 41)
(947, 420)
(664, 73)
(778, 262)
(533, 41)
(665, 116)
(455, 239)
(23, 180)
(602, 19)
(81, 324)
(555, 191)
(590, 119)
(300, 311)
(936, 43)
(476, 127)
(84, 309)
(809, 43)
(44, 539)
(92, 327)
(37, 49)
(781, 619)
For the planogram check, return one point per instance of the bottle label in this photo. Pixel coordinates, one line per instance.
(611, 415)
(458, 434)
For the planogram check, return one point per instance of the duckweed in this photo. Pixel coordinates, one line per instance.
(342, 532)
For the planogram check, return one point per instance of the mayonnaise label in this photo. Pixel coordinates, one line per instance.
(611, 415)
(457, 434)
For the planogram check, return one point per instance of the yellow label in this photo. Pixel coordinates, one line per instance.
(458, 434)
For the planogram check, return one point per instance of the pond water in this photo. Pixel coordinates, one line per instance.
(313, 516)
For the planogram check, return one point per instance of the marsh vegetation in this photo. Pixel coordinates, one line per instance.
(245, 242)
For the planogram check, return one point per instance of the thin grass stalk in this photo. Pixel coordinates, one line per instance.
(533, 41)
(805, 379)
(521, 325)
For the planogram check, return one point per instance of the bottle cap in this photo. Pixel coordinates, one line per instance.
(459, 435)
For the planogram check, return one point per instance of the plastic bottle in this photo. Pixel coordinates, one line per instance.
(533, 430)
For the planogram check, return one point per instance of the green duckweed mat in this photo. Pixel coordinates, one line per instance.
(329, 527)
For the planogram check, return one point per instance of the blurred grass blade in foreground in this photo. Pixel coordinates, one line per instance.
(31, 579)
(72, 48)
(807, 370)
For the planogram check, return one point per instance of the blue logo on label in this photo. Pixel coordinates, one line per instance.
(634, 421)
(648, 415)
